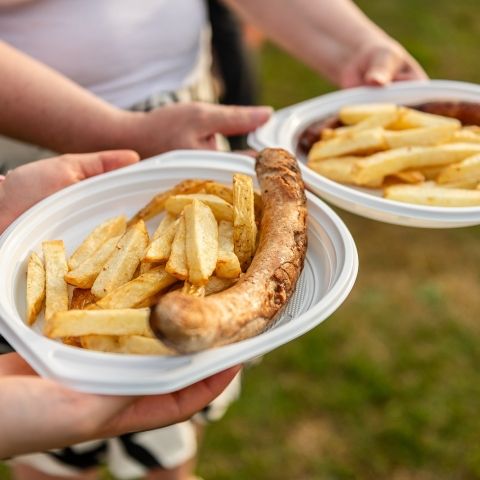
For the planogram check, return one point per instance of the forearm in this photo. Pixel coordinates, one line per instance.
(43, 107)
(322, 33)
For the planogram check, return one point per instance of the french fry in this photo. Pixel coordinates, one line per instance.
(123, 262)
(466, 135)
(220, 208)
(382, 119)
(364, 141)
(228, 265)
(157, 203)
(219, 190)
(352, 114)
(111, 228)
(35, 287)
(159, 250)
(81, 298)
(195, 290)
(138, 345)
(226, 193)
(410, 118)
(127, 344)
(86, 273)
(244, 226)
(433, 195)
(136, 291)
(377, 166)
(421, 136)
(100, 343)
(201, 241)
(166, 222)
(467, 170)
(56, 291)
(77, 323)
(410, 176)
(177, 262)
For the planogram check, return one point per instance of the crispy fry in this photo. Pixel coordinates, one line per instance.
(100, 343)
(352, 114)
(220, 190)
(466, 135)
(166, 222)
(111, 228)
(77, 323)
(410, 118)
(226, 193)
(244, 226)
(228, 265)
(86, 273)
(159, 250)
(35, 287)
(157, 203)
(177, 262)
(201, 242)
(129, 344)
(195, 290)
(421, 136)
(466, 170)
(220, 208)
(433, 195)
(382, 119)
(363, 141)
(81, 298)
(138, 345)
(122, 264)
(56, 291)
(138, 290)
(410, 176)
(377, 166)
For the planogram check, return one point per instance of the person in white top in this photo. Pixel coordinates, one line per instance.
(72, 72)
(120, 52)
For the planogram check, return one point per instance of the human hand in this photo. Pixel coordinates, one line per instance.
(37, 414)
(24, 186)
(188, 125)
(379, 62)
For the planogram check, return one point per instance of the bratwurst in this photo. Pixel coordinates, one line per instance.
(191, 324)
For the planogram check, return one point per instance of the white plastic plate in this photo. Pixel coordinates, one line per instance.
(329, 274)
(286, 125)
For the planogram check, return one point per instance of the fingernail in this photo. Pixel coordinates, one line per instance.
(377, 78)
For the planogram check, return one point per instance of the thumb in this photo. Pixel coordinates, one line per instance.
(234, 120)
(381, 68)
(87, 165)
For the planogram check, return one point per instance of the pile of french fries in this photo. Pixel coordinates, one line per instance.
(414, 157)
(98, 298)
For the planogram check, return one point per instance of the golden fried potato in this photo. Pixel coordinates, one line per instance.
(35, 287)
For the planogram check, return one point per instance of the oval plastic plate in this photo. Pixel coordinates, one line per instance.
(329, 274)
(285, 127)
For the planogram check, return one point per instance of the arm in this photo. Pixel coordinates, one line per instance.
(333, 37)
(41, 106)
(37, 414)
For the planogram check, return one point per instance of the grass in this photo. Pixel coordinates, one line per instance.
(388, 387)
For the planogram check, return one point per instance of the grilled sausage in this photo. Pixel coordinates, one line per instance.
(190, 324)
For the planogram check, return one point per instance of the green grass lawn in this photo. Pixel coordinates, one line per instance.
(389, 386)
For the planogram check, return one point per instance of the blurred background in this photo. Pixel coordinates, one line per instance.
(389, 386)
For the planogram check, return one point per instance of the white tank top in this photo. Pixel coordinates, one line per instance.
(121, 50)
